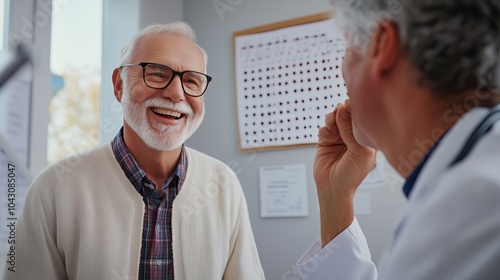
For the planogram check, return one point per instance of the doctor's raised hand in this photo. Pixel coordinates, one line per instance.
(340, 165)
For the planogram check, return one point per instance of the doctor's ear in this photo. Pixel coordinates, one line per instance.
(385, 49)
(117, 84)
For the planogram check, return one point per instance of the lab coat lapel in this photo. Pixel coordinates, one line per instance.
(438, 162)
(445, 152)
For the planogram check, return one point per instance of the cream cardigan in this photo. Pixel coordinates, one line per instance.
(82, 219)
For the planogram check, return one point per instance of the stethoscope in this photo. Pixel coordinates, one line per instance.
(481, 129)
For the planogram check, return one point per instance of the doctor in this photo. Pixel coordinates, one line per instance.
(422, 77)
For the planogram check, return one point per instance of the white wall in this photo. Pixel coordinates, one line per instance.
(160, 11)
(120, 22)
(281, 242)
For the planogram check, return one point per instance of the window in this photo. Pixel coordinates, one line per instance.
(76, 73)
(3, 23)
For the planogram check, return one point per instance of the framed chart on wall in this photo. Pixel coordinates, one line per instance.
(287, 77)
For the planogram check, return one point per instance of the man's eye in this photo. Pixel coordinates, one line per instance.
(192, 81)
(157, 74)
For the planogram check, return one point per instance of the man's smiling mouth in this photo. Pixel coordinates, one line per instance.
(167, 113)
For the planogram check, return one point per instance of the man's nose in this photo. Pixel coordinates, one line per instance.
(174, 90)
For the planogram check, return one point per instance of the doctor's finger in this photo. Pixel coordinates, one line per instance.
(344, 124)
(330, 132)
(329, 136)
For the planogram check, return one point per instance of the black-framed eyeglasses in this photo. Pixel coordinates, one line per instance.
(160, 76)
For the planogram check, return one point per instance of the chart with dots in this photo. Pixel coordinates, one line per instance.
(287, 80)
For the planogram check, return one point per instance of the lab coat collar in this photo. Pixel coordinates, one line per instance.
(449, 147)
(410, 182)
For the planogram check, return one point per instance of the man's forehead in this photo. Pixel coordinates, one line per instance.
(167, 42)
(165, 47)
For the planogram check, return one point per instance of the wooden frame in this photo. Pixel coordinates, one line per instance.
(283, 24)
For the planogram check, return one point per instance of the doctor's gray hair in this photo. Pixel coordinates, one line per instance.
(175, 28)
(454, 44)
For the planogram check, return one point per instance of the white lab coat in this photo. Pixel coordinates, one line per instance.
(450, 229)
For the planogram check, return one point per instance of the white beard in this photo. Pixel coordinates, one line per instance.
(157, 135)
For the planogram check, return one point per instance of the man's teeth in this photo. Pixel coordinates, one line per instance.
(166, 112)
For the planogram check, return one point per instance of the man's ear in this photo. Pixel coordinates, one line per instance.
(117, 84)
(385, 48)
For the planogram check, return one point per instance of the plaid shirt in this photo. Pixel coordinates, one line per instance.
(156, 250)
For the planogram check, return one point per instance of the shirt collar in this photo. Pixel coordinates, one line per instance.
(135, 173)
(410, 181)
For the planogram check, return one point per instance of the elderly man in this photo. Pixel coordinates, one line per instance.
(424, 80)
(143, 206)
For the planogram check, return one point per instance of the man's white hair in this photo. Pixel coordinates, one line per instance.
(176, 28)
